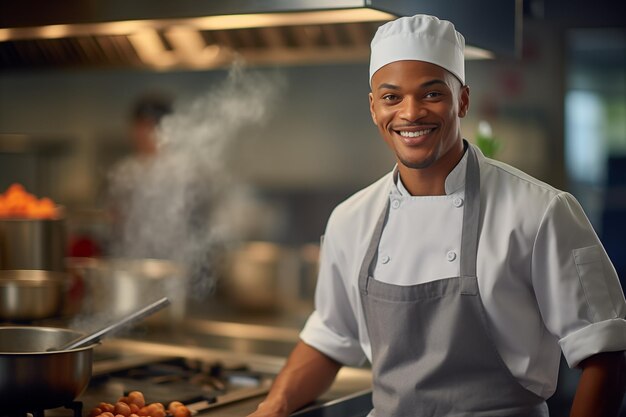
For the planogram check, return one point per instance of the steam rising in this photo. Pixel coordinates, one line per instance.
(168, 204)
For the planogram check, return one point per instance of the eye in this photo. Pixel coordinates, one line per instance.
(433, 94)
(390, 98)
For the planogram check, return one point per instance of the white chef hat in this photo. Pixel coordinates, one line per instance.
(419, 38)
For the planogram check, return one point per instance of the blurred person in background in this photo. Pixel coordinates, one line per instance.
(126, 179)
(147, 113)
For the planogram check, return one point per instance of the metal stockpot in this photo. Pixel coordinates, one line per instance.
(32, 244)
(32, 378)
(31, 294)
(118, 286)
(262, 277)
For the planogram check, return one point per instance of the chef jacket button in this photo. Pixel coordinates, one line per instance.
(395, 204)
(458, 201)
(385, 259)
(450, 256)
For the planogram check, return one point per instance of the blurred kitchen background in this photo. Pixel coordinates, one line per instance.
(555, 106)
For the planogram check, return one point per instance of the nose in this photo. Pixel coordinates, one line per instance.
(412, 109)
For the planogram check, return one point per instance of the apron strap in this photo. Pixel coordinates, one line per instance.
(471, 216)
(372, 249)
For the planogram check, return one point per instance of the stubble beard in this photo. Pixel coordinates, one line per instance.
(420, 164)
(417, 165)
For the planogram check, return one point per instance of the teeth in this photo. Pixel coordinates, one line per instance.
(414, 134)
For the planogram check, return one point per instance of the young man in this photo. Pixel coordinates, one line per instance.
(460, 278)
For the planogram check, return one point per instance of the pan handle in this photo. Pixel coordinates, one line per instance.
(96, 336)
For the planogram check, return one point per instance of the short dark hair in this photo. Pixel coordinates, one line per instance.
(152, 106)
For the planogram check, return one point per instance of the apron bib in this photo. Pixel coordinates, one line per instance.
(432, 354)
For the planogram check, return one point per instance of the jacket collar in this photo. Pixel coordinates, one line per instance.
(455, 181)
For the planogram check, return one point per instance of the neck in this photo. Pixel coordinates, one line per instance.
(431, 180)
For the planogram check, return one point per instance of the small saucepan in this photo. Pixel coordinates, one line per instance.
(33, 378)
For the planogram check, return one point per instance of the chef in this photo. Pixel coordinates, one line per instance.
(460, 278)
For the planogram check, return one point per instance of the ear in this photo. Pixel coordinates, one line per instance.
(464, 101)
(372, 111)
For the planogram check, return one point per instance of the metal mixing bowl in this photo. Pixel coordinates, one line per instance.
(31, 294)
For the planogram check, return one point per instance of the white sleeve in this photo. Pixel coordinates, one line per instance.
(332, 328)
(576, 286)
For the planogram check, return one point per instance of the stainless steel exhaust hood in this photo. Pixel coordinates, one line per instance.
(200, 34)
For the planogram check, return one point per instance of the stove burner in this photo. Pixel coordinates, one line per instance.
(181, 379)
(76, 407)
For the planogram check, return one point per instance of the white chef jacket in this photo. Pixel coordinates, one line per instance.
(544, 278)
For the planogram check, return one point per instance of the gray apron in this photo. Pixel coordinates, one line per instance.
(432, 354)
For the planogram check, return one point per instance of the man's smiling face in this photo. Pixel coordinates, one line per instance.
(417, 106)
